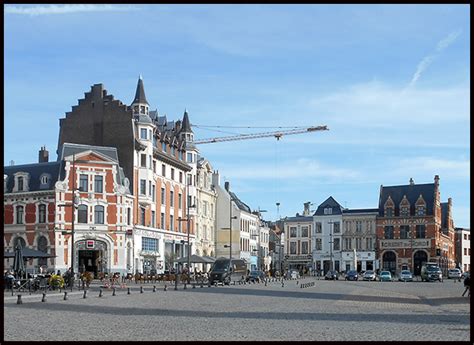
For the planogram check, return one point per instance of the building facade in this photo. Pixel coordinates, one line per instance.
(358, 239)
(298, 242)
(327, 236)
(414, 228)
(463, 249)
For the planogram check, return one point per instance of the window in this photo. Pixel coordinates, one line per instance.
(337, 227)
(173, 151)
(180, 177)
(180, 154)
(44, 179)
(42, 214)
(318, 228)
(135, 109)
(19, 214)
(304, 247)
(465, 251)
(189, 200)
(20, 184)
(99, 214)
(292, 247)
(162, 220)
(404, 231)
(337, 244)
(163, 146)
(180, 200)
(318, 244)
(388, 232)
(163, 170)
(389, 212)
(98, 184)
(189, 157)
(129, 213)
(358, 243)
(153, 219)
(149, 187)
(154, 141)
(304, 232)
(368, 243)
(142, 109)
(172, 173)
(171, 198)
(420, 231)
(328, 210)
(42, 247)
(171, 223)
(143, 160)
(154, 166)
(293, 231)
(82, 214)
(153, 193)
(420, 210)
(150, 244)
(358, 226)
(142, 187)
(348, 243)
(19, 241)
(404, 211)
(83, 183)
(143, 132)
(142, 215)
(465, 236)
(163, 201)
(205, 208)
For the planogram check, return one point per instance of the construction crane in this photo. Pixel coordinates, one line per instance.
(276, 134)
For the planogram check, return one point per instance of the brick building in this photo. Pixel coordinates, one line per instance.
(414, 227)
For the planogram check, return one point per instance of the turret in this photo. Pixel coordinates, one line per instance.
(140, 104)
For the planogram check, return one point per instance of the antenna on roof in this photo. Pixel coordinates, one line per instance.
(12, 162)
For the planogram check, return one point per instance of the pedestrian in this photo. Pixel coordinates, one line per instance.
(467, 282)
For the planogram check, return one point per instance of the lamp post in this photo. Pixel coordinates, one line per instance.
(330, 244)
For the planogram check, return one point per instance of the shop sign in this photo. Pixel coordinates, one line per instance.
(90, 244)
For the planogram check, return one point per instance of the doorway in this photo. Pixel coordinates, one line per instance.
(90, 261)
(419, 259)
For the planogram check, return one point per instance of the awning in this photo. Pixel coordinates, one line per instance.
(196, 259)
(29, 253)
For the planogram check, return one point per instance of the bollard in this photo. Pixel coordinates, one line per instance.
(165, 288)
(128, 291)
(201, 284)
(44, 297)
(282, 284)
(194, 285)
(100, 293)
(85, 294)
(297, 282)
(154, 288)
(265, 282)
(208, 284)
(113, 292)
(141, 289)
(185, 286)
(19, 301)
(65, 295)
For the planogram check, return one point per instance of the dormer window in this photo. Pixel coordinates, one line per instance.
(20, 184)
(44, 179)
(420, 210)
(5, 180)
(163, 146)
(143, 133)
(404, 211)
(389, 212)
(142, 109)
(135, 109)
(328, 210)
(173, 151)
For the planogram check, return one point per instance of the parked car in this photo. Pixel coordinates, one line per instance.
(331, 275)
(385, 276)
(352, 275)
(454, 273)
(256, 276)
(224, 272)
(431, 272)
(369, 275)
(405, 276)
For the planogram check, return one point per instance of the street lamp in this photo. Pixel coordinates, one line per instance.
(330, 244)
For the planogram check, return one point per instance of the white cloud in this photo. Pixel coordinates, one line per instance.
(445, 168)
(427, 60)
(63, 9)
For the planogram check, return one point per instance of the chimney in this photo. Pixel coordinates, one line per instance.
(43, 156)
(306, 208)
(216, 178)
(411, 182)
(450, 201)
(227, 186)
(436, 180)
(12, 162)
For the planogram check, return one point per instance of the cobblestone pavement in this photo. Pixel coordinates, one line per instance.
(327, 311)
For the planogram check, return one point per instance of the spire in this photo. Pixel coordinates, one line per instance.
(140, 93)
(186, 126)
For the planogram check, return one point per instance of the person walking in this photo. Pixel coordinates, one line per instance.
(467, 282)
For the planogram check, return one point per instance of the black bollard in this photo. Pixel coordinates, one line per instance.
(128, 291)
(165, 288)
(19, 301)
(113, 292)
(194, 285)
(141, 289)
(265, 282)
(201, 284)
(65, 295)
(44, 297)
(282, 284)
(185, 286)
(85, 294)
(100, 293)
(154, 288)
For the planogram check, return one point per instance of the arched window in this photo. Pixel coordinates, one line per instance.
(19, 240)
(42, 247)
(19, 214)
(99, 214)
(82, 214)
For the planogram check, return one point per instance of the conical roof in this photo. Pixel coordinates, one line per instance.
(140, 93)
(186, 126)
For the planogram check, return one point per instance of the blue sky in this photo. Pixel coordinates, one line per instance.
(390, 81)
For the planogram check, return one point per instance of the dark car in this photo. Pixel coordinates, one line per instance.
(256, 276)
(431, 272)
(352, 275)
(223, 272)
(332, 275)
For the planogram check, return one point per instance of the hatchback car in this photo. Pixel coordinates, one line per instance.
(385, 276)
(454, 273)
(369, 275)
(331, 275)
(256, 276)
(405, 276)
(352, 275)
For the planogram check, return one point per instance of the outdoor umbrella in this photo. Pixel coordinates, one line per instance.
(193, 259)
(29, 253)
(209, 259)
(18, 263)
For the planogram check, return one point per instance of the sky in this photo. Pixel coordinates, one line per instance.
(391, 82)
